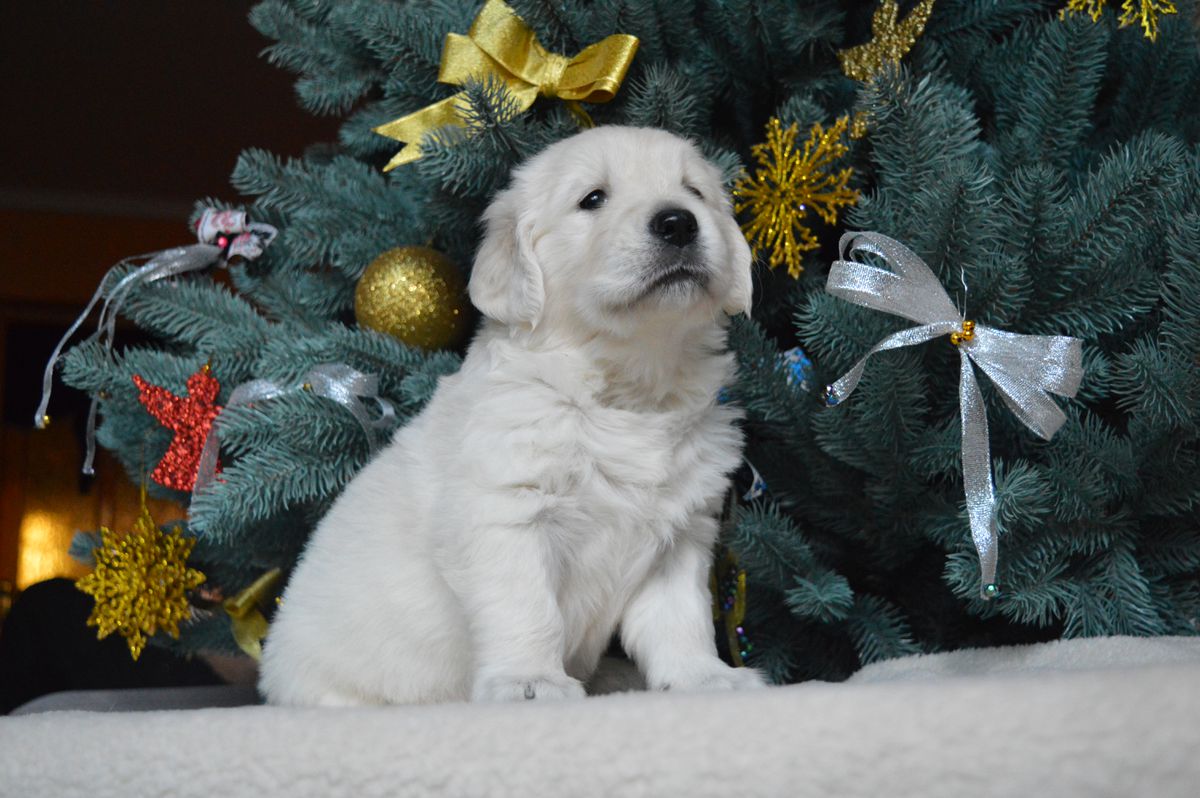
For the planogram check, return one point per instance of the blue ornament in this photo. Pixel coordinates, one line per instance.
(798, 367)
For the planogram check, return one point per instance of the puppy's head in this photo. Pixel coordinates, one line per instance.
(610, 227)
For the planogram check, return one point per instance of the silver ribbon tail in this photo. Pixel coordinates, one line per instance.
(977, 476)
(1024, 368)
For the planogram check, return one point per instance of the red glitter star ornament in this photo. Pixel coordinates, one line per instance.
(190, 418)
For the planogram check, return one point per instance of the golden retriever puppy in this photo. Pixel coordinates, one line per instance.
(564, 484)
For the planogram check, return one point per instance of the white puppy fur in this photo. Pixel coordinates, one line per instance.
(565, 483)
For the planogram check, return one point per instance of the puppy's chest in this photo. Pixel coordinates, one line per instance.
(639, 472)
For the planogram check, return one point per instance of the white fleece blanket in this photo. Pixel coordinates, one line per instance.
(1110, 717)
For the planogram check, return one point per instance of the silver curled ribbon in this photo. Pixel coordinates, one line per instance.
(167, 263)
(1024, 368)
(213, 230)
(337, 381)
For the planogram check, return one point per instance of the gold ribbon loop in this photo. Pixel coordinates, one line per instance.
(245, 613)
(500, 44)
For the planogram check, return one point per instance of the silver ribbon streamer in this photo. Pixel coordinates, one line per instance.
(167, 263)
(158, 265)
(1024, 368)
(758, 485)
(337, 381)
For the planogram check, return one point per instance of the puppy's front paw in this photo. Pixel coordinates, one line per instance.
(541, 688)
(717, 676)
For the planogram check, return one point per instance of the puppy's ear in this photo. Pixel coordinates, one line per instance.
(741, 262)
(506, 280)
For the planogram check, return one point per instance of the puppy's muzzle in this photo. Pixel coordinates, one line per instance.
(676, 226)
(679, 260)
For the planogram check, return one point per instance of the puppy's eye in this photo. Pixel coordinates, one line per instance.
(695, 191)
(593, 200)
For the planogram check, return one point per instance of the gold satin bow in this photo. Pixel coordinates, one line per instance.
(245, 615)
(501, 44)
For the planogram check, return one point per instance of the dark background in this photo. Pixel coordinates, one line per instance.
(137, 107)
(117, 116)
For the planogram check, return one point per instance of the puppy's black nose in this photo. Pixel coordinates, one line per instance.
(675, 226)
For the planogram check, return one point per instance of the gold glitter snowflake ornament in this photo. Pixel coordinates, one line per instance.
(140, 582)
(788, 183)
(1143, 12)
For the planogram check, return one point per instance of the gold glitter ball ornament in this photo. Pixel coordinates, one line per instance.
(140, 582)
(414, 294)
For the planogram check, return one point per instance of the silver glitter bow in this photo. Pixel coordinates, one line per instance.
(335, 381)
(1022, 367)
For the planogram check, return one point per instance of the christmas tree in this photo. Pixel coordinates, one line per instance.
(1042, 161)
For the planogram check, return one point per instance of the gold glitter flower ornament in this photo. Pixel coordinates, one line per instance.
(140, 582)
(788, 183)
